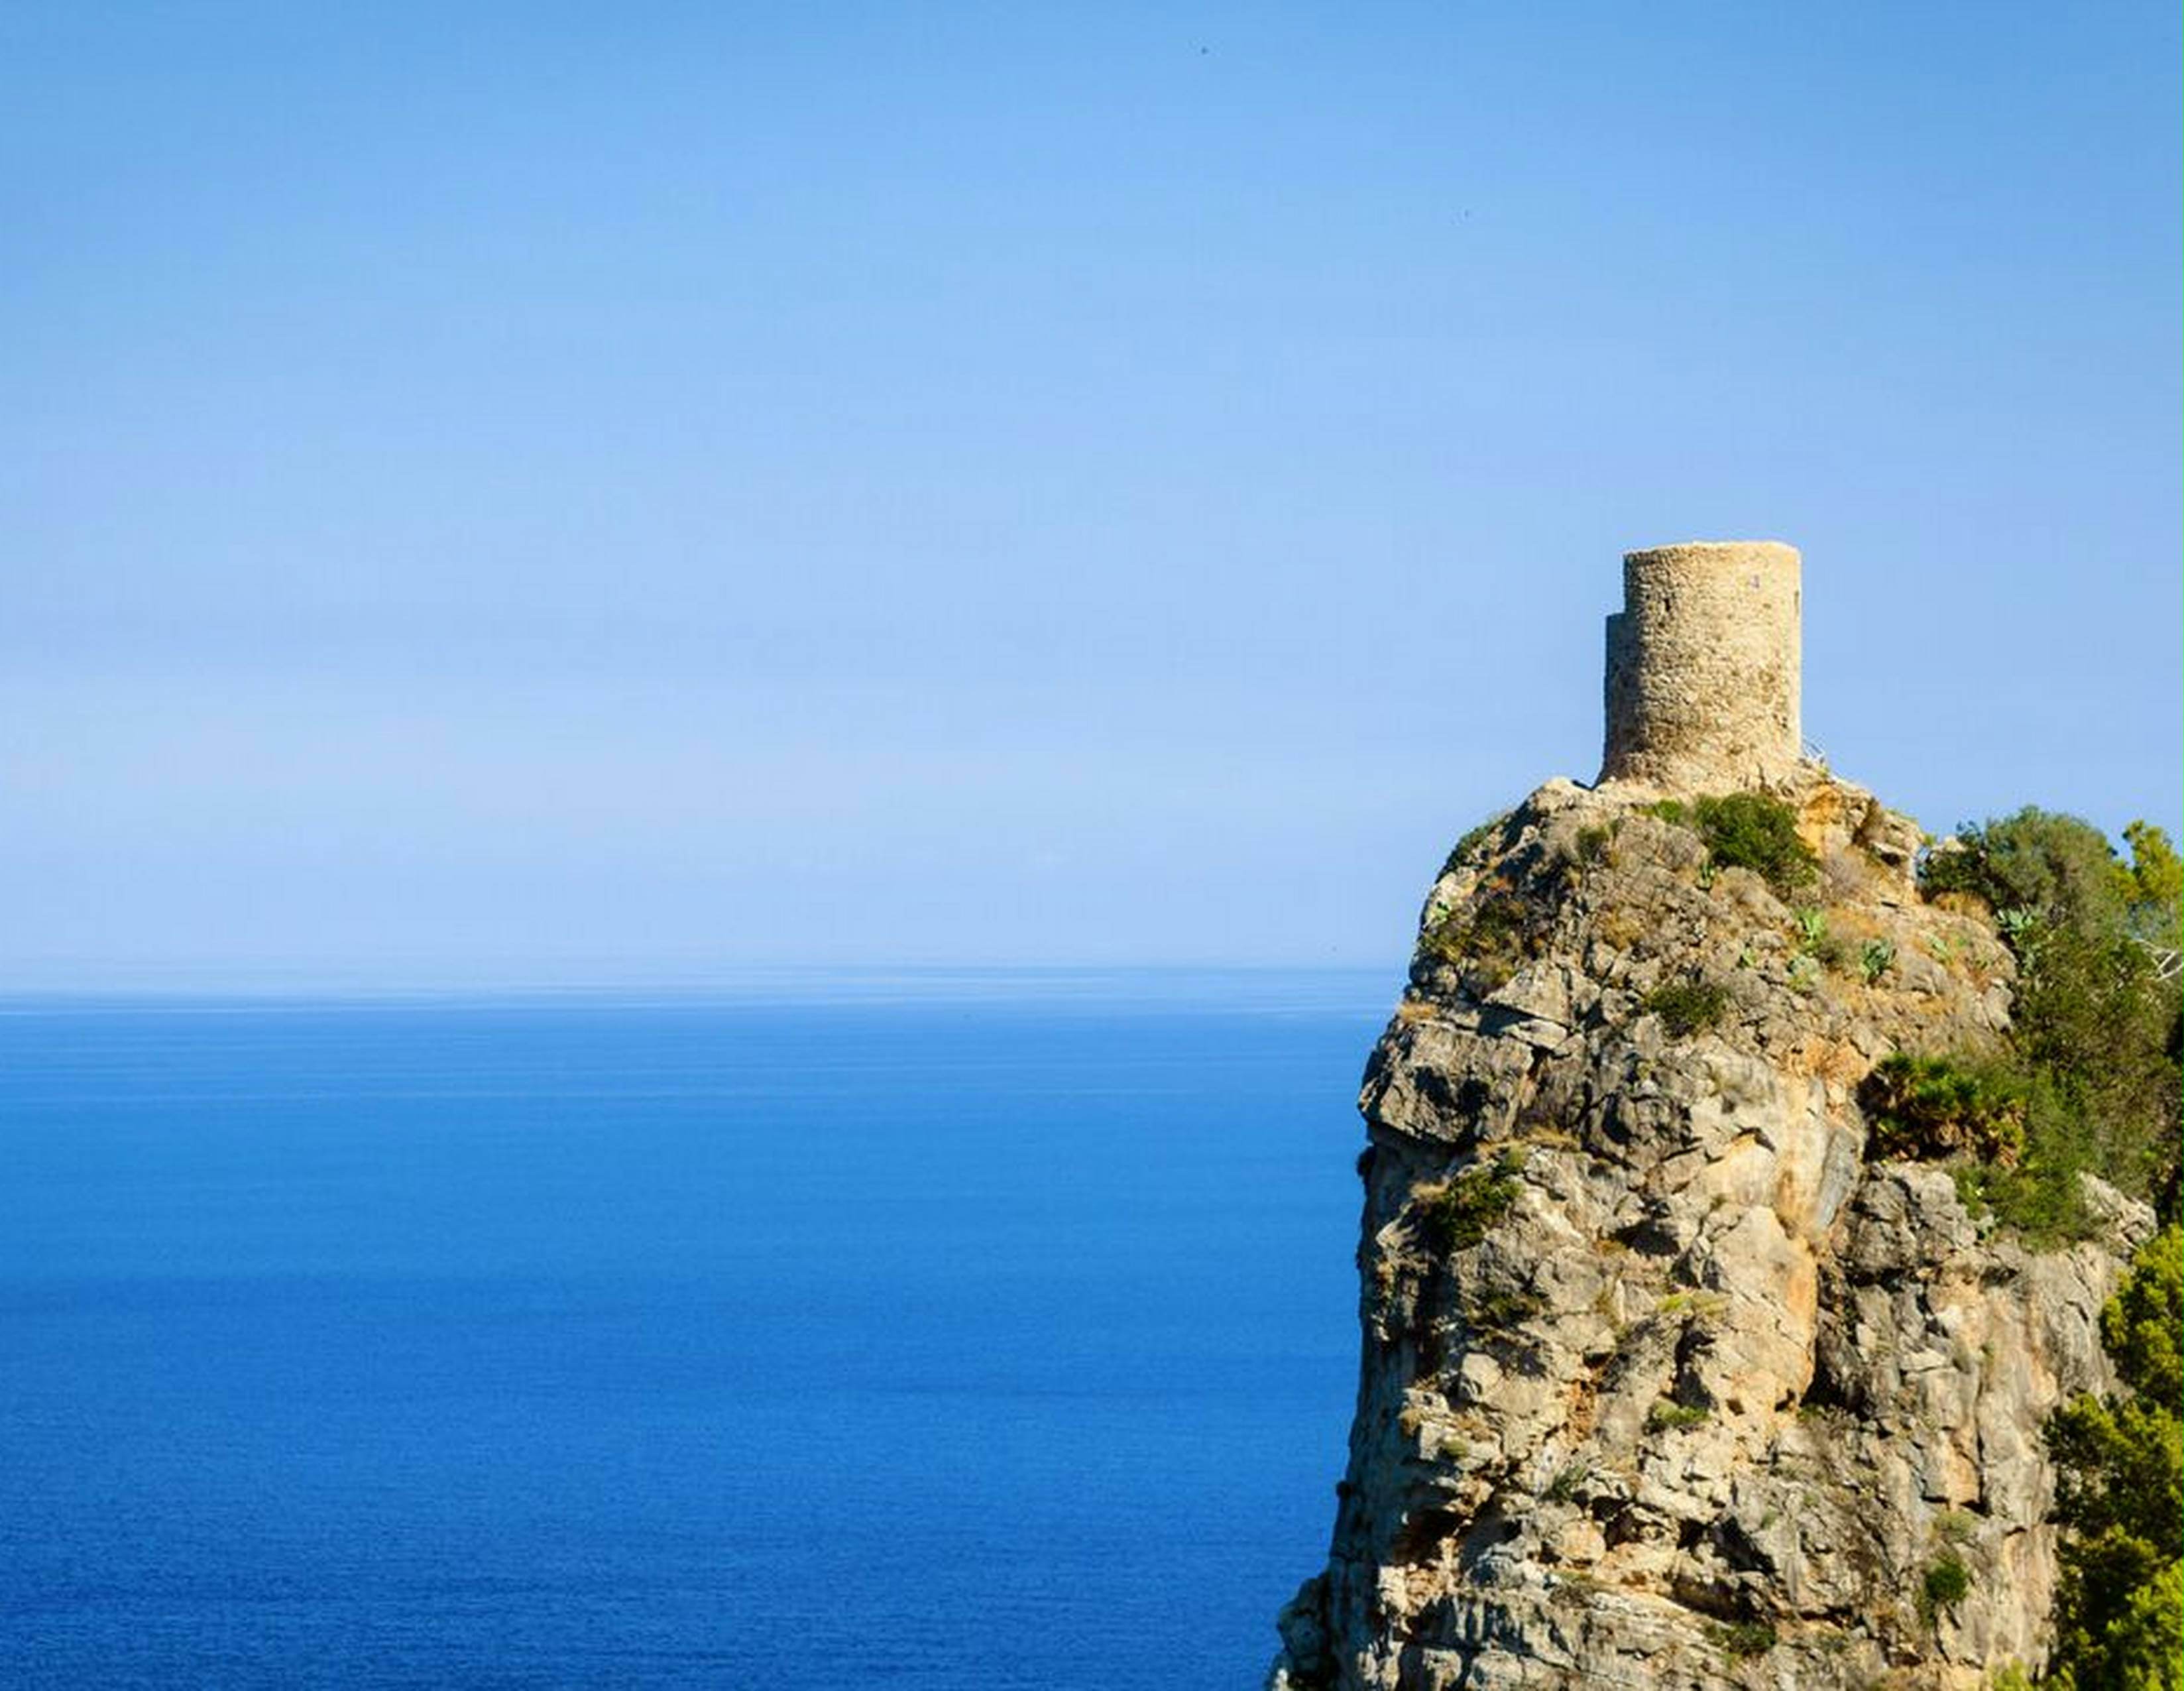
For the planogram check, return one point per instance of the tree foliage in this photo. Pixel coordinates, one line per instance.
(1935, 1106)
(2120, 1494)
(2097, 1017)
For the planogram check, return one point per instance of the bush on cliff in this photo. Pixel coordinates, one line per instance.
(1749, 831)
(1933, 1107)
(2040, 1196)
(2120, 1495)
(1490, 938)
(2098, 1020)
(1688, 1007)
(1459, 1211)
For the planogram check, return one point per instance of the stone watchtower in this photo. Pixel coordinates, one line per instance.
(1702, 666)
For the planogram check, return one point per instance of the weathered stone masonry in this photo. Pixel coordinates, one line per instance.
(1703, 667)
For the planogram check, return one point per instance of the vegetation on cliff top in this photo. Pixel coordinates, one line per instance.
(1748, 831)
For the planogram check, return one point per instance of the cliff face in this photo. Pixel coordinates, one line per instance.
(1664, 1382)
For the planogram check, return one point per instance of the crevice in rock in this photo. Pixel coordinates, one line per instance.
(1490, 1530)
(1422, 1534)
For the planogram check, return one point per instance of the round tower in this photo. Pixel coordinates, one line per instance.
(1703, 667)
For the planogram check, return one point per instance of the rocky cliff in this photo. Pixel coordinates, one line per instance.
(1667, 1380)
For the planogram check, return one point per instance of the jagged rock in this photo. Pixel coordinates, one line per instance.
(1664, 1383)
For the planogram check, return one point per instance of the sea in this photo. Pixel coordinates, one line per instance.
(934, 1332)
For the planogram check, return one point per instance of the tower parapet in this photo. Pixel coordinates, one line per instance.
(1703, 667)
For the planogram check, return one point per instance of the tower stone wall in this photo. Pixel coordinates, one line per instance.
(1703, 667)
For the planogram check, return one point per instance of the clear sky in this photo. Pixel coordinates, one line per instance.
(554, 492)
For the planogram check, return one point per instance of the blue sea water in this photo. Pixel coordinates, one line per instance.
(929, 1335)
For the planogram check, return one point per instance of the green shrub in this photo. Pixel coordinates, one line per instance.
(1666, 1414)
(1947, 1582)
(1744, 1638)
(1875, 960)
(1493, 937)
(1497, 1312)
(1933, 1107)
(1687, 1006)
(2058, 868)
(1752, 831)
(1470, 845)
(1447, 941)
(1457, 1212)
(1593, 844)
(2041, 1197)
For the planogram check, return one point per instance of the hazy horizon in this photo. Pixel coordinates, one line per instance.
(699, 491)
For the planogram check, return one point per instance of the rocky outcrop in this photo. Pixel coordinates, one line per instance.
(1664, 1383)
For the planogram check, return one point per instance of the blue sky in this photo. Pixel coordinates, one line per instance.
(556, 492)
